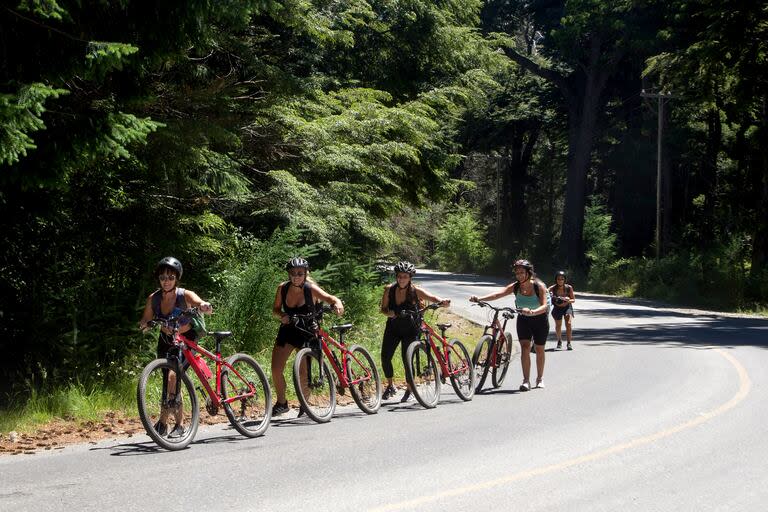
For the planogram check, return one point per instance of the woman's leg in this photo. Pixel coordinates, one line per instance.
(280, 356)
(525, 359)
(568, 328)
(558, 329)
(540, 356)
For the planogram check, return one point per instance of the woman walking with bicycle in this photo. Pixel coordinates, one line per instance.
(166, 302)
(297, 296)
(562, 302)
(532, 322)
(401, 296)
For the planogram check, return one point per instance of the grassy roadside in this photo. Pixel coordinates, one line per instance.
(81, 412)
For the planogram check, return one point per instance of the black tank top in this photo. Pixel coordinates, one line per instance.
(409, 304)
(307, 307)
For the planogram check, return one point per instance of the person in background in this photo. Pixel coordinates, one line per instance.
(562, 302)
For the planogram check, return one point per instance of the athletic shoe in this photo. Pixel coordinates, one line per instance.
(525, 386)
(161, 428)
(178, 431)
(569, 346)
(559, 344)
(540, 384)
(280, 408)
(406, 396)
(389, 392)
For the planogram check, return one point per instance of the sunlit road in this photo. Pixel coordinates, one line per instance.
(655, 409)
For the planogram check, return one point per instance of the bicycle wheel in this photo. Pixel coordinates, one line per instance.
(481, 358)
(503, 355)
(167, 408)
(422, 374)
(314, 385)
(462, 370)
(364, 380)
(251, 413)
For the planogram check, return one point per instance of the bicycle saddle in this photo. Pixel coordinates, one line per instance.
(444, 326)
(342, 328)
(220, 335)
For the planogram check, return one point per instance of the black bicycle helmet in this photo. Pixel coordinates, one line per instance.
(405, 266)
(560, 273)
(525, 264)
(297, 262)
(169, 262)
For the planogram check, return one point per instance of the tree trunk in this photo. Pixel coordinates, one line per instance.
(760, 237)
(581, 132)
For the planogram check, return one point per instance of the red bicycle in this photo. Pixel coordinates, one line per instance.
(421, 371)
(166, 396)
(353, 369)
(494, 350)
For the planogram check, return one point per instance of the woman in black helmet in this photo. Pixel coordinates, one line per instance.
(169, 301)
(294, 297)
(399, 296)
(532, 323)
(562, 302)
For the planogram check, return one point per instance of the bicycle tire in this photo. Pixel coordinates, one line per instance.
(152, 401)
(503, 356)
(249, 415)
(422, 374)
(462, 370)
(367, 392)
(318, 398)
(481, 359)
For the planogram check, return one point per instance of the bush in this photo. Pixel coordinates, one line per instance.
(461, 243)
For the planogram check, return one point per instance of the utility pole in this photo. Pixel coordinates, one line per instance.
(662, 98)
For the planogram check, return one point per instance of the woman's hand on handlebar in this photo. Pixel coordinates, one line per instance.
(473, 298)
(444, 303)
(205, 307)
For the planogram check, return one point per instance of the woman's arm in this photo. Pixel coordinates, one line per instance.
(196, 302)
(571, 295)
(542, 301)
(423, 294)
(384, 308)
(147, 315)
(277, 306)
(319, 293)
(507, 290)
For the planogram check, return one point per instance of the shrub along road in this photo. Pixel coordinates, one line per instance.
(655, 409)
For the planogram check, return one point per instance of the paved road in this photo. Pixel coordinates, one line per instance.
(655, 409)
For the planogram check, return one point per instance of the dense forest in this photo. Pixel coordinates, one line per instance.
(459, 134)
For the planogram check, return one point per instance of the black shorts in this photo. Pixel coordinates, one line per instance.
(289, 334)
(558, 313)
(534, 328)
(166, 348)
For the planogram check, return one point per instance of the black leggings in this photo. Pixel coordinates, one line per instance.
(400, 330)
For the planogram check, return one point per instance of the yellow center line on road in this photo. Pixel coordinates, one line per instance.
(745, 384)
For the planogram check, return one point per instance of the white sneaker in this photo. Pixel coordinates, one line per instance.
(540, 384)
(525, 386)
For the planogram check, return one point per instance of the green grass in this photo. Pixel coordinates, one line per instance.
(75, 402)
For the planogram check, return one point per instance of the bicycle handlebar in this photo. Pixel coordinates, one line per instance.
(173, 321)
(483, 304)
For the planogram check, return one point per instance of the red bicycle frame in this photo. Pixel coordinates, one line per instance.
(203, 372)
(442, 356)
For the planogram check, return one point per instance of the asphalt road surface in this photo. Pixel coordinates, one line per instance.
(655, 409)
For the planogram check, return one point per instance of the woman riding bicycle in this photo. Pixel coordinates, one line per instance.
(294, 297)
(400, 296)
(562, 302)
(168, 302)
(532, 323)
